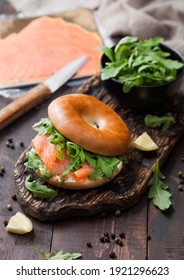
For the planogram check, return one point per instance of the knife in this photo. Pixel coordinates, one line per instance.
(39, 92)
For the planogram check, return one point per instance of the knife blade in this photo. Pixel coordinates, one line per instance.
(39, 92)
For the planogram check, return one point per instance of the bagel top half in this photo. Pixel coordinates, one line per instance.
(90, 123)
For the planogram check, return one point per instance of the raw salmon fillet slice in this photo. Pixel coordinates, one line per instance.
(43, 47)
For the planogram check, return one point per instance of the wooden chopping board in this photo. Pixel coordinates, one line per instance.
(127, 188)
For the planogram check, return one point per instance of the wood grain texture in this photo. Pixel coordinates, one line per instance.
(166, 229)
(73, 234)
(126, 189)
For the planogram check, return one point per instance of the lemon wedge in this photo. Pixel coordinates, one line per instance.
(19, 224)
(145, 143)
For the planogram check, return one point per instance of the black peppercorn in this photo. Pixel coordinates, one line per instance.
(9, 143)
(5, 223)
(102, 239)
(22, 144)
(2, 169)
(113, 235)
(120, 243)
(107, 239)
(89, 244)
(148, 237)
(14, 197)
(122, 235)
(10, 140)
(117, 240)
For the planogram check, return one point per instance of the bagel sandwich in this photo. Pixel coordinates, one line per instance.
(80, 145)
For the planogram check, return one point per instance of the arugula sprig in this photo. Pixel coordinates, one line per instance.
(39, 190)
(136, 63)
(44, 126)
(104, 167)
(34, 162)
(159, 121)
(58, 255)
(158, 191)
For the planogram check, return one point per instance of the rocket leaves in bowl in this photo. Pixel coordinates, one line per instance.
(136, 62)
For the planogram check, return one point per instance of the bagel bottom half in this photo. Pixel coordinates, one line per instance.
(71, 184)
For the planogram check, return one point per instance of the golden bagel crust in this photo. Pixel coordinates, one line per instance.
(90, 123)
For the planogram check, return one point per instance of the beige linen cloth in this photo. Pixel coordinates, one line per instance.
(145, 18)
(142, 18)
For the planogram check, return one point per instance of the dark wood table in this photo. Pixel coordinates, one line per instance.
(149, 233)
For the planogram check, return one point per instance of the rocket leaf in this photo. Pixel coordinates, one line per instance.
(163, 121)
(158, 191)
(58, 255)
(38, 190)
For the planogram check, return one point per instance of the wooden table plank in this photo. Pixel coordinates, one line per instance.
(15, 246)
(73, 234)
(167, 230)
(19, 247)
(12, 246)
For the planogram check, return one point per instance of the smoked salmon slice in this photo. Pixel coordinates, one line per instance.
(43, 47)
(48, 154)
(82, 174)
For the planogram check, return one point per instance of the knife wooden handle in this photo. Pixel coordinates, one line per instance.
(23, 104)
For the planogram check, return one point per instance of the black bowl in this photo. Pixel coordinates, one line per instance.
(146, 97)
